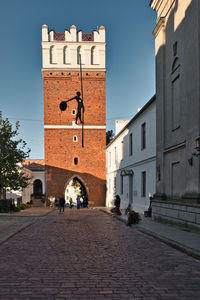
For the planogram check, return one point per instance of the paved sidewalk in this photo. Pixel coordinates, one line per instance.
(177, 237)
(12, 223)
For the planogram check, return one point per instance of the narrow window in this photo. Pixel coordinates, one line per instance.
(76, 160)
(143, 136)
(122, 189)
(75, 138)
(122, 145)
(143, 184)
(115, 155)
(73, 112)
(130, 144)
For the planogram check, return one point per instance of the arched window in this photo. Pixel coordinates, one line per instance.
(76, 160)
(37, 188)
(53, 59)
(66, 55)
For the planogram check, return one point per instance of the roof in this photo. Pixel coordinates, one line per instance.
(133, 119)
(34, 164)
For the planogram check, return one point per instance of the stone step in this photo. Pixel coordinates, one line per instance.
(37, 203)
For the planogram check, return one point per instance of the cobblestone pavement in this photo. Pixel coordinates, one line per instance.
(87, 254)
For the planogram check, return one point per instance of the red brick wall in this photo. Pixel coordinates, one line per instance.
(60, 149)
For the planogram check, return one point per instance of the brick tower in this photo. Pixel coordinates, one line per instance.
(65, 156)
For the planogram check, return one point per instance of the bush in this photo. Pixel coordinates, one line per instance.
(4, 206)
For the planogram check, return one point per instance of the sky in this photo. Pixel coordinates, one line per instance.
(130, 57)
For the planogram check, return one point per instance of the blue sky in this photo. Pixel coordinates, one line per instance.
(130, 59)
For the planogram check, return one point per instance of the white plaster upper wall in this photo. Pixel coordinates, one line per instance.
(115, 149)
(63, 54)
(119, 125)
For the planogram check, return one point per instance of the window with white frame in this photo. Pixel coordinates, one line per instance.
(75, 138)
(73, 112)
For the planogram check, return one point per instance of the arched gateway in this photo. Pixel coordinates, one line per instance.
(74, 187)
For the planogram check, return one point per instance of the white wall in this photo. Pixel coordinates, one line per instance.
(141, 160)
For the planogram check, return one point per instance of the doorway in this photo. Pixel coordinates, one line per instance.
(37, 188)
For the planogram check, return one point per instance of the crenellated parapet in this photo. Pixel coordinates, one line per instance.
(61, 50)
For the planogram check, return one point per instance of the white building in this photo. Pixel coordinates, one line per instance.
(131, 160)
(177, 40)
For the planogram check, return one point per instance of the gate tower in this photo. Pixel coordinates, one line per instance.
(65, 158)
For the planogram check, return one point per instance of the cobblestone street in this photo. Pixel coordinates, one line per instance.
(87, 254)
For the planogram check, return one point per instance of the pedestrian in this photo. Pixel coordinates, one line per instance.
(78, 202)
(54, 202)
(81, 201)
(70, 202)
(85, 201)
(117, 204)
(61, 204)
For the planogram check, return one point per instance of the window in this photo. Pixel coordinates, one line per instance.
(143, 136)
(122, 185)
(73, 112)
(130, 144)
(122, 145)
(109, 159)
(115, 155)
(143, 184)
(76, 160)
(75, 138)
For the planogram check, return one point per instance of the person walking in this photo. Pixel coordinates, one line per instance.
(117, 205)
(61, 205)
(78, 202)
(70, 202)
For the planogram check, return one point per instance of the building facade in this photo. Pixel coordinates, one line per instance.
(74, 154)
(177, 47)
(131, 161)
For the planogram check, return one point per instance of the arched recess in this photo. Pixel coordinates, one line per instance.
(75, 186)
(66, 55)
(53, 59)
(80, 52)
(94, 56)
(37, 188)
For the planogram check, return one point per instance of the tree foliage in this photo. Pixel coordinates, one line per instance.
(13, 152)
(109, 136)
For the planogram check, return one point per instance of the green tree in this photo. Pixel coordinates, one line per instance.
(13, 152)
(109, 136)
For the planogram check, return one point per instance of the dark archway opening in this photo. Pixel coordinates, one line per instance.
(37, 188)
